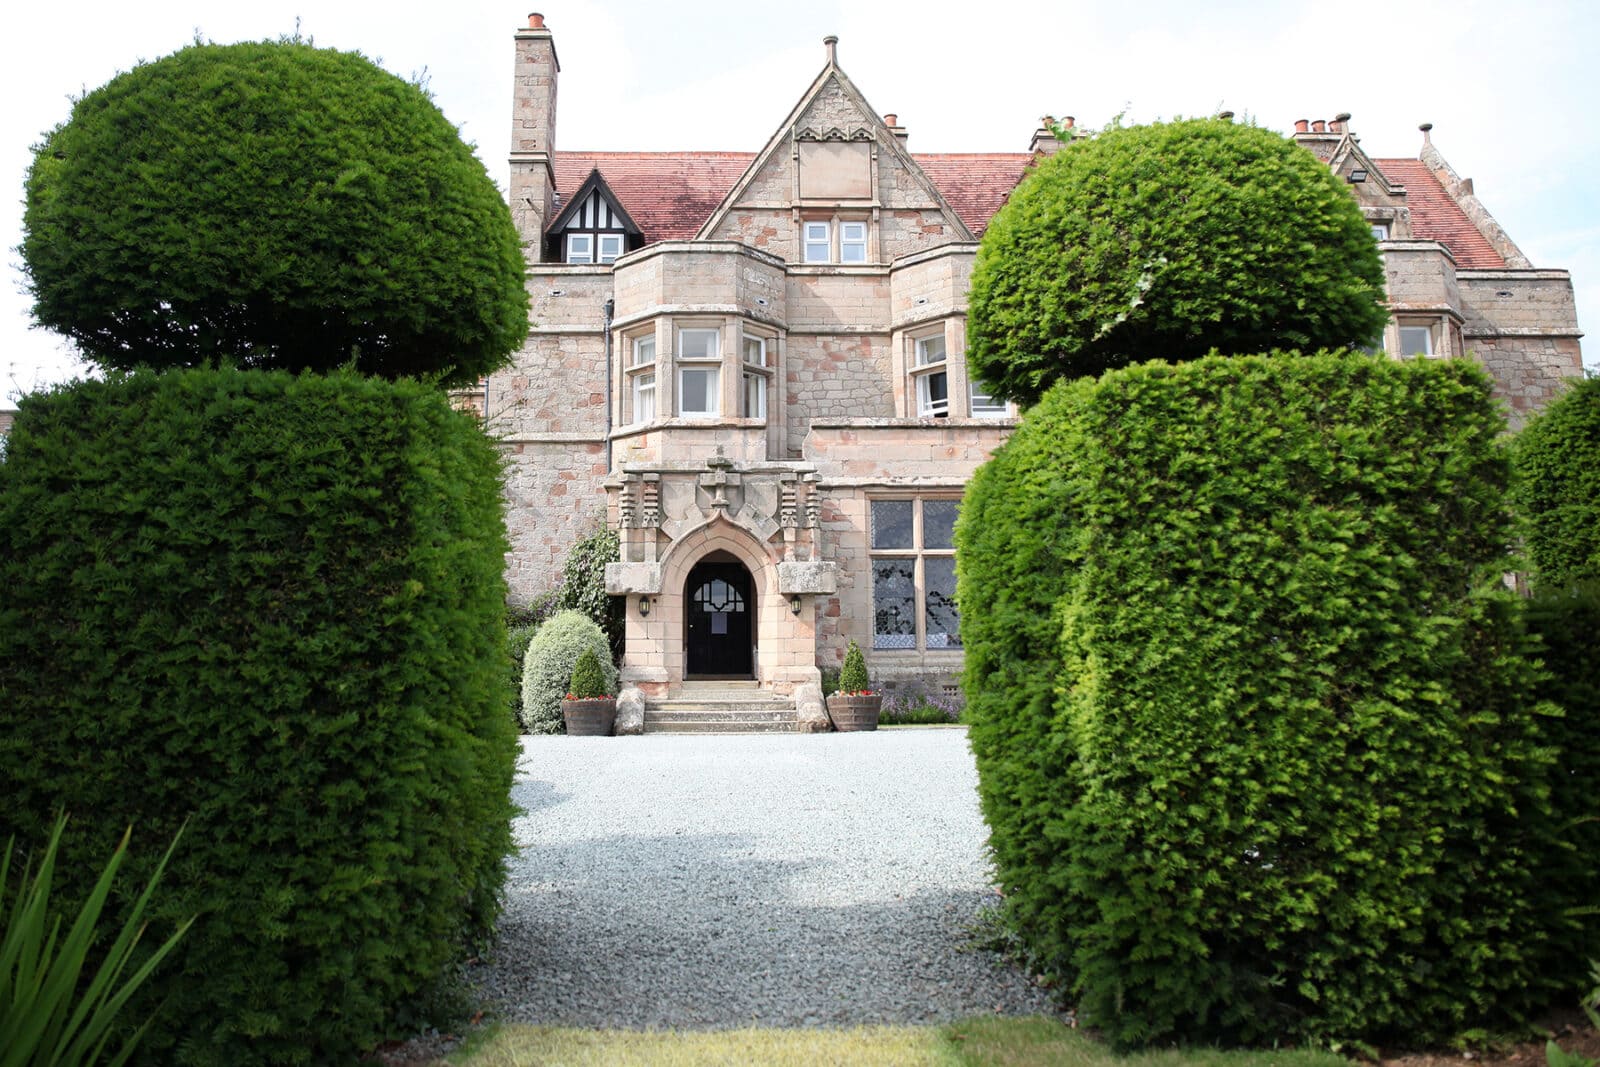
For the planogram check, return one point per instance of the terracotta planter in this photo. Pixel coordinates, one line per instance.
(854, 712)
(593, 717)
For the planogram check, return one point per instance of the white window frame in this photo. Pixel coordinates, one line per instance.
(816, 236)
(644, 397)
(755, 385)
(644, 350)
(753, 395)
(609, 247)
(928, 366)
(852, 242)
(984, 405)
(1413, 329)
(585, 241)
(1380, 230)
(707, 362)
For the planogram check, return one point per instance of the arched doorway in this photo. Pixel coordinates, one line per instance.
(720, 619)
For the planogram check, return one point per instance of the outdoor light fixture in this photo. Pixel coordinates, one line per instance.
(644, 607)
(794, 604)
(1358, 175)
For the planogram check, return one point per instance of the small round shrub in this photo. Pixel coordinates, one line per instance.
(1557, 459)
(588, 680)
(547, 670)
(853, 675)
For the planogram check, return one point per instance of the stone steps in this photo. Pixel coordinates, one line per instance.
(720, 708)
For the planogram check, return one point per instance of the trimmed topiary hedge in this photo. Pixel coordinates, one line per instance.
(547, 670)
(1557, 459)
(1251, 712)
(271, 606)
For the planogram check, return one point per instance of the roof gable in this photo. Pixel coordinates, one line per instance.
(831, 109)
(593, 207)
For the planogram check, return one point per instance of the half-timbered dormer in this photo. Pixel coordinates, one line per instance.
(592, 227)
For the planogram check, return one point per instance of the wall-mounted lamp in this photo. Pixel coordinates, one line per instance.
(644, 607)
(794, 604)
(1358, 175)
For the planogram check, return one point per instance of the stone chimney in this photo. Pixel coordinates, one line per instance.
(533, 135)
(892, 121)
(1044, 138)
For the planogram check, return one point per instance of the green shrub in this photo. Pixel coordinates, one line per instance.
(271, 606)
(52, 1009)
(1249, 706)
(548, 669)
(517, 640)
(583, 585)
(272, 204)
(853, 675)
(1557, 459)
(1567, 623)
(588, 680)
(1168, 241)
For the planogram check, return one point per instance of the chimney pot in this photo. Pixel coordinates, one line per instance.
(1067, 122)
(1319, 126)
(535, 21)
(891, 119)
(1302, 125)
(831, 43)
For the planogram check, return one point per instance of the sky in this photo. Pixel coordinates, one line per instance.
(1509, 87)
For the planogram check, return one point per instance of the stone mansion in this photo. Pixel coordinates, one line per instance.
(750, 365)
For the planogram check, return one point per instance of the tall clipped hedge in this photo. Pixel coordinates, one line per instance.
(1557, 459)
(1252, 722)
(270, 606)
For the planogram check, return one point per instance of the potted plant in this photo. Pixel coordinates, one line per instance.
(855, 706)
(588, 710)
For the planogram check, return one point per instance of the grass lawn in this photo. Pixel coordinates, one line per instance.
(977, 1042)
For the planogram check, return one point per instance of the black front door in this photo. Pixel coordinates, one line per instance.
(720, 623)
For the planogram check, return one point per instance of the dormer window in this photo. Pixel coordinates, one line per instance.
(593, 228)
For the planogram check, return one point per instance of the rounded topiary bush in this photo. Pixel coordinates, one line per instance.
(1557, 458)
(1169, 241)
(547, 672)
(272, 204)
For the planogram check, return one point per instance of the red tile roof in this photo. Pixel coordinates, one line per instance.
(974, 183)
(671, 194)
(668, 194)
(1436, 217)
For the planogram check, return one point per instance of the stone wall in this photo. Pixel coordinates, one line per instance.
(554, 496)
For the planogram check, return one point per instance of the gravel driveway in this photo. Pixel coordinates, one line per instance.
(721, 881)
